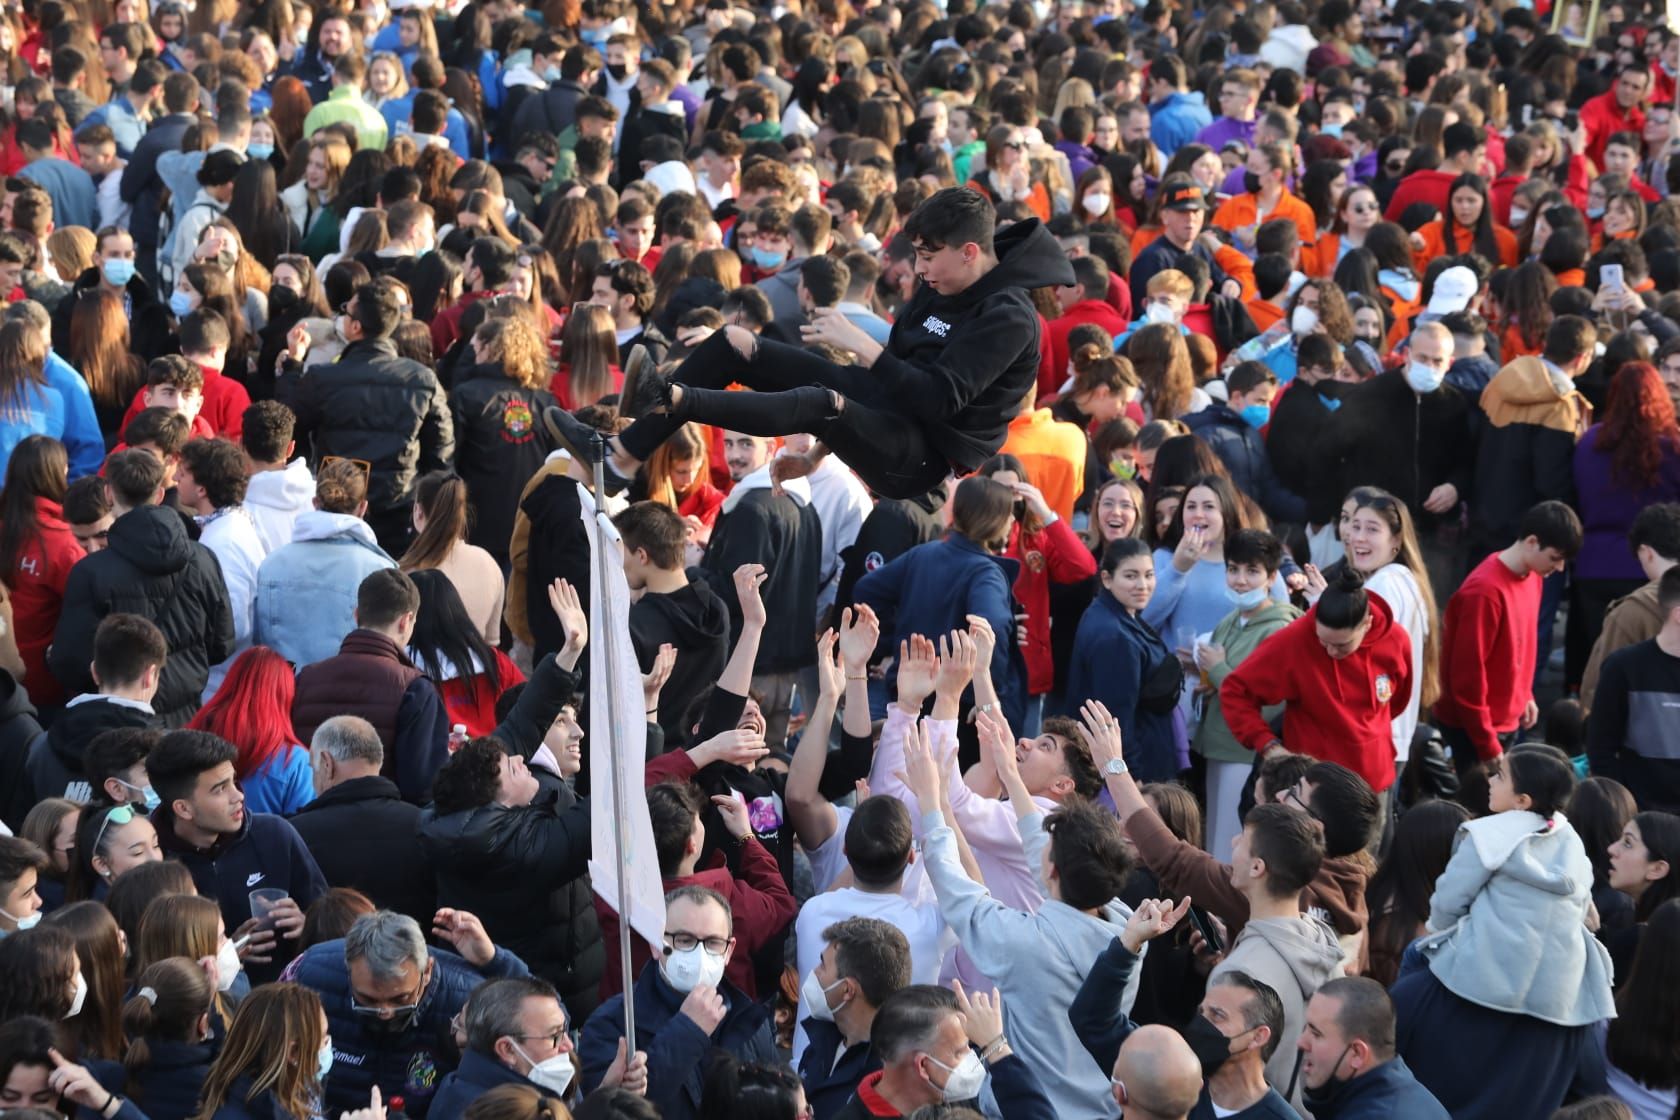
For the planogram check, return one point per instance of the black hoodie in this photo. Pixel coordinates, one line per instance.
(961, 363)
(18, 729)
(695, 621)
(150, 569)
(55, 763)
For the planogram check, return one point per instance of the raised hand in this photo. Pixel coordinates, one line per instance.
(466, 933)
(1101, 732)
(748, 579)
(982, 1014)
(742, 746)
(831, 674)
(1152, 918)
(568, 610)
(917, 668)
(860, 631)
(997, 746)
(704, 1008)
(956, 663)
(985, 642)
(653, 681)
(374, 1111)
(628, 1071)
(921, 769)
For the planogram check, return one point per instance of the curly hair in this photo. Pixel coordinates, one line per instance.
(1639, 426)
(515, 343)
(470, 778)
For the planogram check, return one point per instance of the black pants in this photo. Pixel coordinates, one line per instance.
(1589, 601)
(890, 451)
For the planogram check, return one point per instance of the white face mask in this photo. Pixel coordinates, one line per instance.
(227, 965)
(686, 970)
(554, 1074)
(1096, 204)
(965, 1081)
(1422, 378)
(816, 998)
(1159, 313)
(79, 998)
(1518, 217)
(22, 924)
(1303, 320)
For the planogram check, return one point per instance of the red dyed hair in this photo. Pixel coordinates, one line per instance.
(1639, 426)
(253, 709)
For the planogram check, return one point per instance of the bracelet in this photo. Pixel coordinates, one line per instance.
(994, 1048)
(110, 1099)
(859, 677)
(652, 710)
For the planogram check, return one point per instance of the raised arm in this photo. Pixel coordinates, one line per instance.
(737, 674)
(812, 815)
(929, 780)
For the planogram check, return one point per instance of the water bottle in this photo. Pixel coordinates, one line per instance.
(457, 737)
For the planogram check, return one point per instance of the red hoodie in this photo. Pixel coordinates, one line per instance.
(1338, 711)
(1096, 311)
(1053, 555)
(1490, 640)
(1429, 186)
(225, 402)
(37, 581)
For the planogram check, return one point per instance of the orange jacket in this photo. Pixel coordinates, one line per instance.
(1244, 210)
(1435, 244)
(1511, 344)
(1264, 313)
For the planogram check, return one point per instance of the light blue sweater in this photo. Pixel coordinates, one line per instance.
(1195, 600)
(283, 786)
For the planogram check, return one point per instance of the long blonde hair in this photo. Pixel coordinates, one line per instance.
(179, 925)
(685, 445)
(514, 343)
(588, 351)
(284, 1067)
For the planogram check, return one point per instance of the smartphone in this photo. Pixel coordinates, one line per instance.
(1206, 928)
(1610, 276)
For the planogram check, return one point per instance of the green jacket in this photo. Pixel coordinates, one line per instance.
(1213, 737)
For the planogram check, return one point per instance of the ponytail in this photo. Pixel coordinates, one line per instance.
(442, 497)
(170, 997)
(1345, 604)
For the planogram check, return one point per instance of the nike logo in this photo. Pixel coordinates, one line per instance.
(253, 879)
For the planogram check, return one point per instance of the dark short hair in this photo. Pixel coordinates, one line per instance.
(385, 596)
(672, 808)
(955, 216)
(1248, 376)
(1290, 845)
(630, 278)
(1543, 773)
(1569, 337)
(377, 308)
(124, 646)
(134, 477)
(110, 753)
(470, 778)
(1254, 546)
(878, 840)
(204, 330)
(1262, 1009)
(164, 428)
(874, 953)
(656, 528)
(35, 134)
(907, 1019)
(826, 278)
(173, 369)
(181, 756)
(1076, 756)
(1553, 525)
(1345, 804)
(218, 466)
(1089, 853)
(86, 501)
(18, 855)
(267, 431)
(1364, 1012)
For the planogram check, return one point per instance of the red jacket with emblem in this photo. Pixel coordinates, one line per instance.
(1052, 555)
(1338, 710)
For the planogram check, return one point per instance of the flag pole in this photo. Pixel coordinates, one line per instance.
(621, 815)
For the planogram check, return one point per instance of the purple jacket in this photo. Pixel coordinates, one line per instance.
(1080, 158)
(1608, 508)
(1225, 129)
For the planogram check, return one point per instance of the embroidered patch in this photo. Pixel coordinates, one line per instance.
(1034, 560)
(1385, 688)
(517, 423)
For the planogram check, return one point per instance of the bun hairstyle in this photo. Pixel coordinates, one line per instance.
(1345, 603)
(340, 486)
(1094, 368)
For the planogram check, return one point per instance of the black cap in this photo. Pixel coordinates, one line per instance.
(1180, 192)
(219, 168)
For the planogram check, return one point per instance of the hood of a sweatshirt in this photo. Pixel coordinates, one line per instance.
(1028, 257)
(284, 490)
(319, 525)
(1306, 944)
(694, 613)
(796, 488)
(81, 721)
(153, 539)
(1525, 393)
(1355, 668)
(1539, 853)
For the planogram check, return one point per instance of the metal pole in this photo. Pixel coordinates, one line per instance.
(609, 652)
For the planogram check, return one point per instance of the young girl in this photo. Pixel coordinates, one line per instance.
(1496, 1004)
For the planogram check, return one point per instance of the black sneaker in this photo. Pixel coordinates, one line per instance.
(582, 442)
(646, 390)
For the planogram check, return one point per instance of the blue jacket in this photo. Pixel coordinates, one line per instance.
(399, 110)
(242, 1105)
(1175, 120)
(931, 590)
(169, 1085)
(141, 187)
(306, 590)
(1115, 656)
(1388, 1092)
(476, 1075)
(830, 1084)
(1243, 452)
(83, 441)
(42, 415)
(282, 787)
(676, 1047)
(75, 201)
(409, 1063)
(265, 852)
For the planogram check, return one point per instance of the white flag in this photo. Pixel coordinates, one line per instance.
(618, 751)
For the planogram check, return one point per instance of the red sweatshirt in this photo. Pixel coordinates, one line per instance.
(1490, 640)
(1338, 711)
(225, 402)
(1055, 555)
(37, 581)
(1095, 311)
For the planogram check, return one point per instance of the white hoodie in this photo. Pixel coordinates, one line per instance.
(275, 500)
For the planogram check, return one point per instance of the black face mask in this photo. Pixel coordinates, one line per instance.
(1210, 1045)
(1251, 182)
(617, 70)
(281, 299)
(395, 1025)
(1323, 1098)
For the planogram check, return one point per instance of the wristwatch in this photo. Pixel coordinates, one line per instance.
(1115, 767)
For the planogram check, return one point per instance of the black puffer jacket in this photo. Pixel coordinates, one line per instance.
(19, 731)
(150, 569)
(500, 442)
(376, 406)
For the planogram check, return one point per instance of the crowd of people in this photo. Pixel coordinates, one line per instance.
(1152, 532)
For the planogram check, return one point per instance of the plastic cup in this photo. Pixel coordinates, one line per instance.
(263, 902)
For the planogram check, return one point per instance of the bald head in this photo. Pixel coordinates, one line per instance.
(1160, 1073)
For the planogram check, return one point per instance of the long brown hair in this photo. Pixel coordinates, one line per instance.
(38, 468)
(442, 497)
(1162, 361)
(179, 925)
(514, 343)
(685, 445)
(23, 365)
(588, 351)
(1399, 520)
(97, 1026)
(273, 1040)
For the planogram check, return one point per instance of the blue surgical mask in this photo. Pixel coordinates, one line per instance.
(597, 39)
(148, 796)
(324, 1060)
(181, 303)
(1595, 212)
(118, 272)
(552, 74)
(1424, 379)
(765, 259)
(1332, 129)
(1256, 416)
(259, 151)
(1248, 600)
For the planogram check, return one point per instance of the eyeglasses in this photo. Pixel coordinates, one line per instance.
(684, 942)
(1356, 209)
(553, 1038)
(1018, 145)
(121, 815)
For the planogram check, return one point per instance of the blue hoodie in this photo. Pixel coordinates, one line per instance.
(82, 438)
